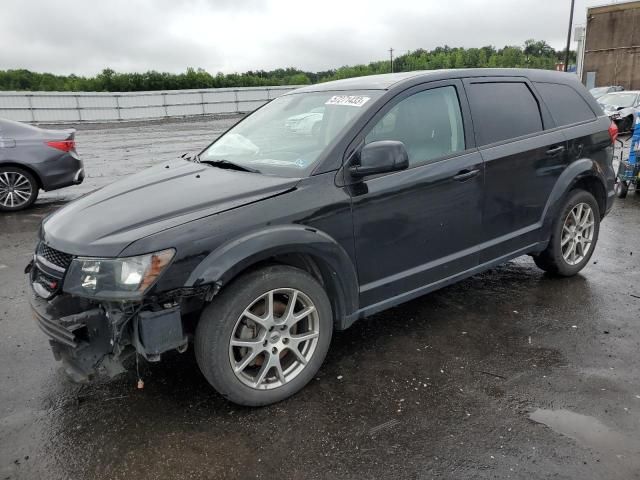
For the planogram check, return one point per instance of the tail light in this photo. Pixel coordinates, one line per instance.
(613, 132)
(64, 145)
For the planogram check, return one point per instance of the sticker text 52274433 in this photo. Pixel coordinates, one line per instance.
(348, 100)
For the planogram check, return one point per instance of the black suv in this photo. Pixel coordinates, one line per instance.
(276, 234)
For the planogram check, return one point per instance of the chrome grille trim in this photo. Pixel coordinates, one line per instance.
(55, 259)
(40, 259)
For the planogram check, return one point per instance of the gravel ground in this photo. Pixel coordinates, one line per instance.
(509, 374)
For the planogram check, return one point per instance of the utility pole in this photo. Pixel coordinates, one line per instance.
(391, 56)
(566, 56)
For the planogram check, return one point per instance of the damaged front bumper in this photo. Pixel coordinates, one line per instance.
(81, 336)
(94, 338)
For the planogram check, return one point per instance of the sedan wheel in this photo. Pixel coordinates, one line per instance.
(18, 189)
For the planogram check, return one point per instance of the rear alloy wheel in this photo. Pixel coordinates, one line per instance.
(577, 234)
(574, 236)
(18, 189)
(265, 336)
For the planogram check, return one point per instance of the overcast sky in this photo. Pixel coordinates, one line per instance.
(85, 36)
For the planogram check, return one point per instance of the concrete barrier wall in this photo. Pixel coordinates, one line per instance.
(61, 107)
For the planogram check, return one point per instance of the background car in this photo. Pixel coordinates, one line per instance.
(306, 123)
(33, 158)
(621, 107)
(600, 91)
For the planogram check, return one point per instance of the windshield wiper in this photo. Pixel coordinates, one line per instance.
(228, 165)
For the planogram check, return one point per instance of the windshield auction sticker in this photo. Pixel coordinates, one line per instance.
(348, 100)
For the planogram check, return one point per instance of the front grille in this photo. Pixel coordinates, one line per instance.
(54, 256)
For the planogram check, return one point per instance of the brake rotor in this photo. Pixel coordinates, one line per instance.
(249, 332)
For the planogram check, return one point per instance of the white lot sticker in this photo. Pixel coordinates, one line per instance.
(349, 100)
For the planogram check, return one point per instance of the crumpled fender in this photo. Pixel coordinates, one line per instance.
(337, 268)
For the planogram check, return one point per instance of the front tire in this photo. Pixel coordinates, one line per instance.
(574, 236)
(18, 189)
(264, 337)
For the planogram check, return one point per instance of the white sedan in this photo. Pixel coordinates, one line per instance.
(621, 107)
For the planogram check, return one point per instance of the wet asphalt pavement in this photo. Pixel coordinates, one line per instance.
(509, 374)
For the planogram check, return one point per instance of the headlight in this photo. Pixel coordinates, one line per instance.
(115, 278)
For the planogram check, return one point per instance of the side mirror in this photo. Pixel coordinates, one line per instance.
(381, 157)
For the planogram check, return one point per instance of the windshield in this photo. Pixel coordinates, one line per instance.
(618, 100)
(287, 136)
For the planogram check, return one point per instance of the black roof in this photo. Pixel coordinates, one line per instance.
(388, 81)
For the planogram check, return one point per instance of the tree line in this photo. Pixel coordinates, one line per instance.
(533, 54)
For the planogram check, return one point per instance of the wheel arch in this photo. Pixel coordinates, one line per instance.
(302, 247)
(584, 174)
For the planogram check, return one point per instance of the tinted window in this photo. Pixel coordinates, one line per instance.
(564, 103)
(429, 124)
(502, 111)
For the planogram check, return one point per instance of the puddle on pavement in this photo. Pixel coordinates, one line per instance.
(587, 431)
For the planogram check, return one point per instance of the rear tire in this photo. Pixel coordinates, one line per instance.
(18, 189)
(245, 339)
(621, 189)
(573, 236)
(627, 124)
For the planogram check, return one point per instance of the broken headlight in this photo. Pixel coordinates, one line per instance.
(115, 278)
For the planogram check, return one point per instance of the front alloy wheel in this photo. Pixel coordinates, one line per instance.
(265, 335)
(274, 338)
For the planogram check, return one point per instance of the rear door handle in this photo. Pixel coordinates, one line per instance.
(464, 175)
(555, 151)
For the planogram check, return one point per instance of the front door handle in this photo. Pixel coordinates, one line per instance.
(464, 175)
(555, 151)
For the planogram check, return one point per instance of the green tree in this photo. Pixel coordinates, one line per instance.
(533, 54)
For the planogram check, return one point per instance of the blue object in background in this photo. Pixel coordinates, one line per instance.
(635, 142)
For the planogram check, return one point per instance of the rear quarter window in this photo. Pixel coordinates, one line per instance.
(564, 103)
(502, 111)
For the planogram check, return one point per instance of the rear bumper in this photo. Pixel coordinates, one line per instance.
(61, 172)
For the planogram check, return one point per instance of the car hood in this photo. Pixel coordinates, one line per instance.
(104, 222)
(622, 111)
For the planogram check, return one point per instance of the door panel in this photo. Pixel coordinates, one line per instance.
(519, 177)
(420, 225)
(522, 158)
(415, 227)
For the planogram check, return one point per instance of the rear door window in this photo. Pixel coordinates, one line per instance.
(502, 111)
(564, 103)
